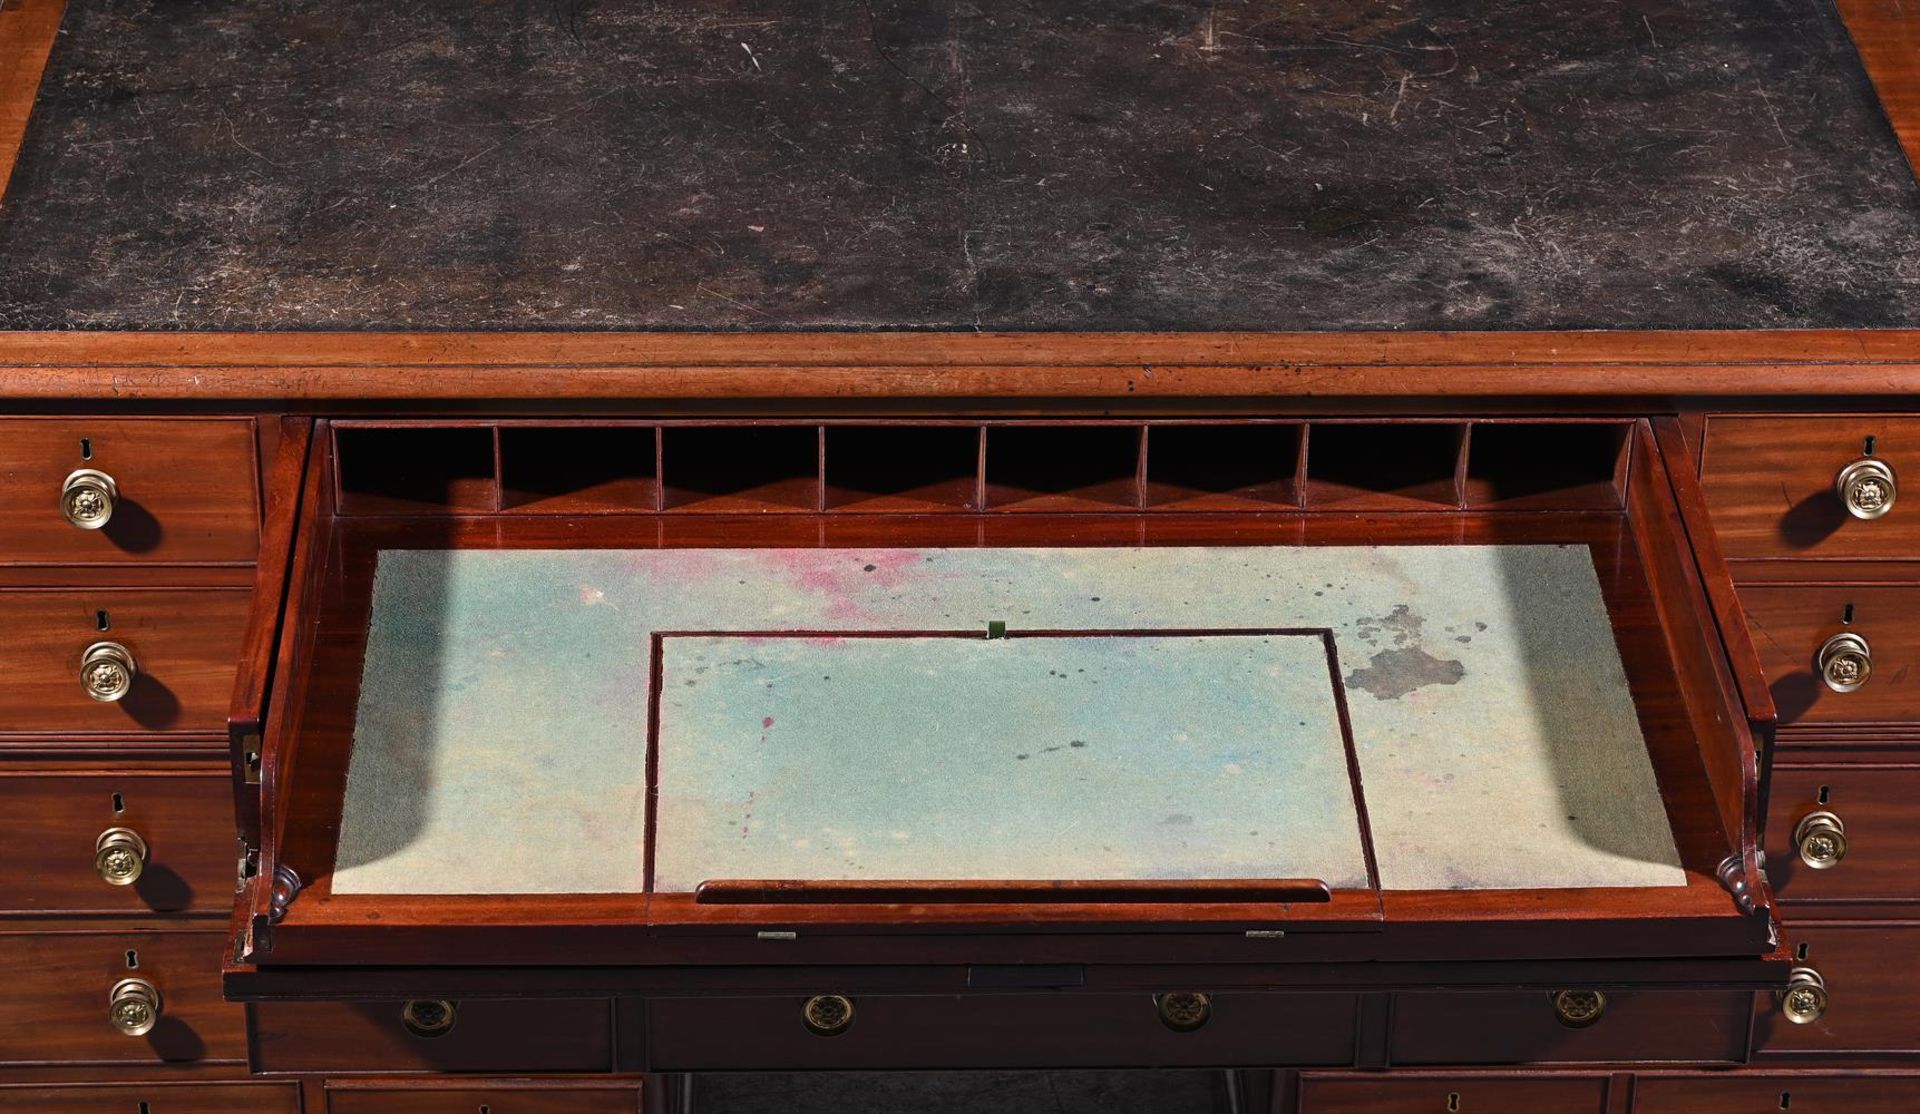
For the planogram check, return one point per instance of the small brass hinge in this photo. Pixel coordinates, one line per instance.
(250, 759)
(248, 866)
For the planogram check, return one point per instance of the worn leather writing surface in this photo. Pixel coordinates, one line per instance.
(1073, 164)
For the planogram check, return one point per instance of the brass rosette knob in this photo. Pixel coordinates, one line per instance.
(133, 1007)
(1867, 487)
(1578, 1009)
(1184, 1011)
(87, 498)
(1805, 999)
(107, 671)
(827, 1015)
(119, 855)
(428, 1017)
(1845, 662)
(1822, 840)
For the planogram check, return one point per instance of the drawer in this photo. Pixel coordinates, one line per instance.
(519, 1097)
(50, 833)
(1790, 625)
(1769, 483)
(1523, 1028)
(1764, 1094)
(185, 490)
(1000, 1031)
(1873, 806)
(58, 988)
(1398, 1094)
(153, 1098)
(185, 646)
(1871, 973)
(479, 1035)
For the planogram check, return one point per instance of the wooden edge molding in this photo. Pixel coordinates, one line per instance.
(27, 31)
(1887, 35)
(614, 366)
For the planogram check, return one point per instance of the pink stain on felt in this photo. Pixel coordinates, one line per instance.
(767, 722)
(847, 577)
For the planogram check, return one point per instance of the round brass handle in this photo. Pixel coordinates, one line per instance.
(428, 1017)
(1845, 662)
(1805, 999)
(1822, 839)
(87, 498)
(133, 1006)
(1577, 1009)
(1184, 1011)
(107, 671)
(1867, 487)
(827, 1015)
(119, 855)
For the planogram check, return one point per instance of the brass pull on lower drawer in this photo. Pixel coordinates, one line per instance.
(133, 1006)
(119, 855)
(87, 498)
(1845, 662)
(107, 671)
(1821, 839)
(1867, 487)
(1805, 999)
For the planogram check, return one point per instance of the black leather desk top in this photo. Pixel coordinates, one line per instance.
(1000, 164)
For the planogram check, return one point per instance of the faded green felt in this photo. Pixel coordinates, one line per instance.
(499, 744)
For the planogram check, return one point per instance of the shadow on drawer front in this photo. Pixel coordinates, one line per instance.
(116, 998)
(172, 670)
(1799, 629)
(1844, 833)
(345, 1097)
(1754, 1094)
(423, 1035)
(1869, 971)
(116, 843)
(1438, 1095)
(1002, 1030)
(153, 1098)
(1527, 1028)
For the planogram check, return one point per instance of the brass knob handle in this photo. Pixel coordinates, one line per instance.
(1577, 1009)
(1867, 487)
(107, 671)
(1822, 839)
(827, 1015)
(428, 1017)
(119, 855)
(1184, 1011)
(87, 497)
(133, 1006)
(1805, 999)
(1845, 662)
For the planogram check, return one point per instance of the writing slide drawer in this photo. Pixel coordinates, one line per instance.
(116, 998)
(1774, 486)
(1764, 1094)
(170, 491)
(1526, 1027)
(153, 1098)
(1844, 833)
(475, 1035)
(1060, 1030)
(1401, 1094)
(1870, 972)
(116, 842)
(1797, 629)
(184, 646)
(519, 1097)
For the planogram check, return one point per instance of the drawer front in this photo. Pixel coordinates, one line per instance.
(186, 490)
(154, 1098)
(1875, 810)
(1000, 1031)
(485, 1036)
(1770, 485)
(1871, 973)
(185, 646)
(51, 827)
(1523, 1028)
(1438, 1095)
(1791, 623)
(1764, 1094)
(520, 1098)
(58, 989)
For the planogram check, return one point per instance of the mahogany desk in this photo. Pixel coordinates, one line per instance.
(543, 552)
